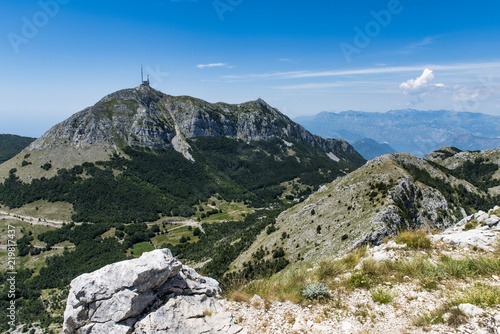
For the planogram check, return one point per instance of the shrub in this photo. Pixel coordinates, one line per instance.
(344, 237)
(471, 225)
(316, 291)
(46, 166)
(382, 296)
(270, 229)
(414, 239)
(359, 281)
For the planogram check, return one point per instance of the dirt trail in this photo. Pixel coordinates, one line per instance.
(33, 220)
(182, 223)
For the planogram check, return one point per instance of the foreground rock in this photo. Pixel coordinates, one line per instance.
(479, 230)
(152, 294)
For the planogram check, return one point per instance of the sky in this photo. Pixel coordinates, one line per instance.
(61, 56)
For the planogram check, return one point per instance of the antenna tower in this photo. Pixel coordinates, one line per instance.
(142, 77)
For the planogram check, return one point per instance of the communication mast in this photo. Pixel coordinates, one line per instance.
(146, 83)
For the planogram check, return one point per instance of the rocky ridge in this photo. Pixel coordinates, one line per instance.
(363, 207)
(151, 294)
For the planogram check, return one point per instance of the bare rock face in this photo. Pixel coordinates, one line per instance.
(149, 118)
(152, 294)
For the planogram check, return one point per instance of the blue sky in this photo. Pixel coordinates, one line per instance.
(60, 56)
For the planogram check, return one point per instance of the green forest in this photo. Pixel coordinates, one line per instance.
(158, 182)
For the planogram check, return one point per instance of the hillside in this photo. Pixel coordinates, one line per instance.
(389, 194)
(412, 131)
(139, 154)
(413, 283)
(10, 145)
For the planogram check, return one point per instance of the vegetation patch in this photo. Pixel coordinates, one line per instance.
(142, 247)
(382, 296)
(414, 239)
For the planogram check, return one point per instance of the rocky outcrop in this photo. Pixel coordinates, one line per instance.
(478, 230)
(152, 294)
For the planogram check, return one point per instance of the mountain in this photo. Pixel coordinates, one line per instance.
(370, 149)
(412, 131)
(388, 194)
(139, 154)
(10, 145)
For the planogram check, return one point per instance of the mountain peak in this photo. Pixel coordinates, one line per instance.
(145, 117)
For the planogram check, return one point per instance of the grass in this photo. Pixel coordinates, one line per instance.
(230, 211)
(414, 240)
(382, 296)
(142, 247)
(430, 274)
(173, 237)
(448, 313)
(480, 295)
(45, 209)
(282, 286)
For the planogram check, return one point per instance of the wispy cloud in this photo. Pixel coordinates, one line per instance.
(424, 42)
(310, 86)
(202, 66)
(364, 71)
(325, 85)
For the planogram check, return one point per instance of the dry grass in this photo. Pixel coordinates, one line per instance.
(414, 239)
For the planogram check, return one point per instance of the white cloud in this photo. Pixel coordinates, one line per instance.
(420, 85)
(202, 66)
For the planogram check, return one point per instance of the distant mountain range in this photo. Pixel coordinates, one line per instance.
(412, 131)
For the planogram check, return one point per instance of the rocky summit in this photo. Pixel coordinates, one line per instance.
(145, 117)
(151, 294)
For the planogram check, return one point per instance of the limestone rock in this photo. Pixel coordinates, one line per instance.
(492, 221)
(470, 310)
(154, 293)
